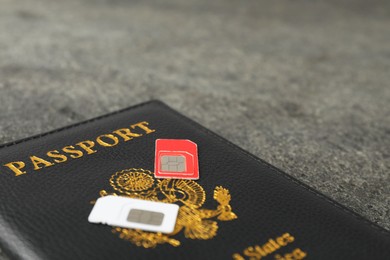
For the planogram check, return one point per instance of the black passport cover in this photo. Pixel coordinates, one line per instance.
(240, 208)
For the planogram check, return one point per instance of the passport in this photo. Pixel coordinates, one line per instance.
(240, 208)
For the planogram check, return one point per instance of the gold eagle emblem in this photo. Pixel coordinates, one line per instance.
(194, 221)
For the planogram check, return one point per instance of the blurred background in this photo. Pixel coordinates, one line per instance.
(302, 84)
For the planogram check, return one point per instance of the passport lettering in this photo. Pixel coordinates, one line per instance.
(79, 149)
(272, 246)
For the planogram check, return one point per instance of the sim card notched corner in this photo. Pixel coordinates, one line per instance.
(134, 213)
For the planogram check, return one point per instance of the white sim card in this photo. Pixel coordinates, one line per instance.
(135, 213)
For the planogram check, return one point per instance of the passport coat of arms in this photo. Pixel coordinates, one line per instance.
(195, 221)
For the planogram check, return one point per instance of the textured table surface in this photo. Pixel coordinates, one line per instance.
(302, 84)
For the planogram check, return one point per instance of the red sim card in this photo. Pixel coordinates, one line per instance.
(177, 159)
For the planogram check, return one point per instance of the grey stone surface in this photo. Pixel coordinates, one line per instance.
(302, 84)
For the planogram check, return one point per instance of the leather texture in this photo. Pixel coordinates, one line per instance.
(43, 214)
